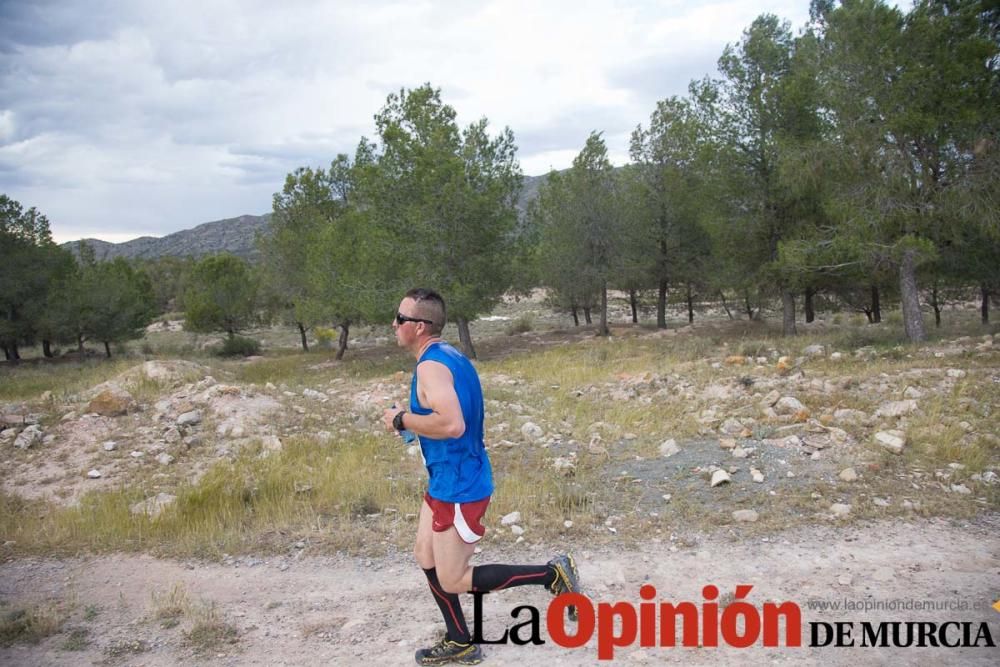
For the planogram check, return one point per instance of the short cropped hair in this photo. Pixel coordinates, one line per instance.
(429, 306)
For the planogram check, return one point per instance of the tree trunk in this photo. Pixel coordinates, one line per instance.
(809, 306)
(632, 303)
(913, 321)
(465, 338)
(15, 353)
(47, 348)
(6, 352)
(302, 335)
(661, 305)
(107, 350)
(576, 318)
(604, 310)
(345, 331)
(788, 313)
(690, 303)
(935, 305)
(725, 306)
(869, 314)
(984, 309)
(586, 315)
(746, 304)
(79, 344)
(876, 316)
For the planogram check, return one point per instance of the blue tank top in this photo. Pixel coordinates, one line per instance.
(459, 468)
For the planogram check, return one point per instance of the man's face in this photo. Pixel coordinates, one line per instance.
(406, 332)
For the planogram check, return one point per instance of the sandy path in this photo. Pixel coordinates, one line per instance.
(345, 611)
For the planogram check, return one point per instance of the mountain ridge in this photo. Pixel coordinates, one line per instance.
(233, 235)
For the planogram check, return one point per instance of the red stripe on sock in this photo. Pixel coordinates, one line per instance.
(519, 576)
(451, 609)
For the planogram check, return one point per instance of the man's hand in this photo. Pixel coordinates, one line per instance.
(387, 416)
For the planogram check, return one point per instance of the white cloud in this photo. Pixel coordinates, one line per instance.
(147, 117)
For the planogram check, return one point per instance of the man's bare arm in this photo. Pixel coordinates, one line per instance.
(437, 393)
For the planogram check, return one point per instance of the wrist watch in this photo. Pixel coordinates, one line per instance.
(397, 421)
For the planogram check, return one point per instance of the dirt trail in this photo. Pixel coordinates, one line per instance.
(347, 611)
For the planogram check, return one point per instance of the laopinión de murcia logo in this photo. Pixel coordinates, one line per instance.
(709, 624)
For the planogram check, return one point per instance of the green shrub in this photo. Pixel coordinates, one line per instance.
(523, 324)
(239, 346)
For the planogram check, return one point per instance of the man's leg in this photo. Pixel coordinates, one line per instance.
(456, 647)
(452, 553)
(448, 603)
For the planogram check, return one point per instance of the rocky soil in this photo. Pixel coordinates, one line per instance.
(316, 610)
(757, 430)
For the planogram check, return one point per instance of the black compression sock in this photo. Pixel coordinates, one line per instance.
(486, 578)
(451, 609)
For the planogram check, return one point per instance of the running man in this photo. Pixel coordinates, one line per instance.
(446, 412)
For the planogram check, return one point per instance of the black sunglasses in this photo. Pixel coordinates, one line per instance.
(402, 319)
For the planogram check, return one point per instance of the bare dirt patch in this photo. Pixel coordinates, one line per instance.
(321, 610)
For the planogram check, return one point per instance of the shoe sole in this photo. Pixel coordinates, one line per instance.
(571, 610)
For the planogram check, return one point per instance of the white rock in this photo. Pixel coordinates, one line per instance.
(788, 405)
(531, 431)
(840, 509)
(848, 475)
(720, 477)
(845, 580)
(850, 416)
(836, 356)
(757, 476)
(912, 392)
(669, 448)
(136, 454)
(955, 373)
(896, 408)
(189, 418)
(893, 440)
(565, 464)
(772, 397)
(567, 524)
(731, 427)
(510, 519)
(153, 506)
(814, 350)
(961, 488)
(270, 443)
(94, 474)
(745, 516)
(880, 502)
(165, 459)
(28, 437)
(110, 446)
(517, 530)
(316, 395)
(740, 453)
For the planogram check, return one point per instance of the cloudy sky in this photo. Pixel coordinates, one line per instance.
(128, 118)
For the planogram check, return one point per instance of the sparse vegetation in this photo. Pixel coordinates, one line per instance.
(210, 630)
(28, 624)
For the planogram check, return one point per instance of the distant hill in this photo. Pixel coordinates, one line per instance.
(233, 235)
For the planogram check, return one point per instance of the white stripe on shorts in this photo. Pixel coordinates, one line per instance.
(462, 527)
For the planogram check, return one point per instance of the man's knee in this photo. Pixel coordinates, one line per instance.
(452, 584)
(423, 551)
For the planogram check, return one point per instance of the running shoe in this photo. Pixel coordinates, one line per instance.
(447, 652)
(567, 579)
